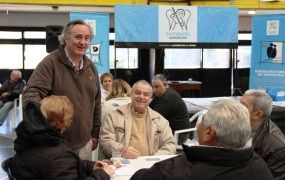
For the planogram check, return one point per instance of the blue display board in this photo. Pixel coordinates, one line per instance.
(175, 26)
(267, 59)
(98, 50)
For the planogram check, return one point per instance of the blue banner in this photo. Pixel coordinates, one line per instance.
(267, 66)
(98, 50)
(170, 25)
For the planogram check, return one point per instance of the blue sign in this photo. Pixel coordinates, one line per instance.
(98, 50)
(177, 26)
(267, 66)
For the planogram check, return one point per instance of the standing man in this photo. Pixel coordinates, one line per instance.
(170, 105)
(135, 129)
(268, 139)
(10, 90)
(68, 71)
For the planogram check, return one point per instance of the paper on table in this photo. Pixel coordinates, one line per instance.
(279, 103)
(125, 170)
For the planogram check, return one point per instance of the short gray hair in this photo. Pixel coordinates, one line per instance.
(144, 82)
(160, 77)
(18, 72)
(261, 101)
(231, 122)
(67, 30)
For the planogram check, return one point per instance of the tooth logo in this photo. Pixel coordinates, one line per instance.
(178, 19)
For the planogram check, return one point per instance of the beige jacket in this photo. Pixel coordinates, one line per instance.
(116, 132)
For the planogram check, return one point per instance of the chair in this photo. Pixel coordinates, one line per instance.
(6, 165)
(13, 111)
(197, 116)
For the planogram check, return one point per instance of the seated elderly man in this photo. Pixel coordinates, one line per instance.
(135, 129)
(268, 139)
(224, 151)
(11, 89)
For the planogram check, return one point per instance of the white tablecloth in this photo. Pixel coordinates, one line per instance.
(125, 172)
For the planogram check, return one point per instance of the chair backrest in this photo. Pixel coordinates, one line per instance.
(6, 166)
(199, 117)
(20, 109)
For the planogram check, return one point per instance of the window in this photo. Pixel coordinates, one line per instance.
(19, 52)
(34, 35)
(216, 58)
(34, 54)
(182, 58)
(244, 56)
(11, 56)
(244, 36)
(126, 58)
(10, 35)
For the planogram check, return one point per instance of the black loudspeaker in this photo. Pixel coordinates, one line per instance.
(52, 33)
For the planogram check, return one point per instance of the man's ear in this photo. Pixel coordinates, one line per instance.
(210, 134)
(260, 113)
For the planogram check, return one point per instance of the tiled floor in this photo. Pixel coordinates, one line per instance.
(7, 137)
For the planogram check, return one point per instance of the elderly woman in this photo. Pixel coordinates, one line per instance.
(106, 80)
(42, 151)
(119, 95)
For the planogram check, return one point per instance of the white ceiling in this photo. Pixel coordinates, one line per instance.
(64, 9)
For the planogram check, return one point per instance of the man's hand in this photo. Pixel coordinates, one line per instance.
(130, 152)
(5, 94)
(95, 143)
(107, 168)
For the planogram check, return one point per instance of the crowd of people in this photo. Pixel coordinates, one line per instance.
(70, 110)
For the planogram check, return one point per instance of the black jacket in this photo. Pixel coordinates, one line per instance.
(269, 143)
(42, 152)
(208, 163)
(14, 89)
(171, 106)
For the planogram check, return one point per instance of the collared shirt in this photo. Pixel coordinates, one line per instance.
(72, 63)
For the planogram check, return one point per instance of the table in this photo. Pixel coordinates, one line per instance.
(139, 163)
(196, 104)
(180, 86)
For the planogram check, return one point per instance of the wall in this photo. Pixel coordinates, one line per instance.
(23, 19)
(32, 19)
(244, 23)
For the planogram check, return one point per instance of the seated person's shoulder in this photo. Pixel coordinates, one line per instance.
(154, 115)
(275, 134)
(273, 142)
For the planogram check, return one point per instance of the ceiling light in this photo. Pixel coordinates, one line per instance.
(251, 12)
